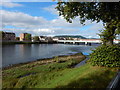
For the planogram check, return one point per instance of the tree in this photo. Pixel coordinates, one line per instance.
(107, 12)
(28, 37)
(17, 38)
(109, 33)
(2, 34)
(36, 38)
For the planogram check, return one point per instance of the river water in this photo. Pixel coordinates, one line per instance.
(20, 53)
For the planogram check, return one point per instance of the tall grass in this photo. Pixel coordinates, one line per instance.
(58, 75)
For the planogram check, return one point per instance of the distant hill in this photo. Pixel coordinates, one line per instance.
(93, 38)
(72, 36)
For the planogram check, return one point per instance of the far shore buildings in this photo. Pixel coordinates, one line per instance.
(42, 38)
(23, 37)
(45, 39)
(8, 36)
(26, 37)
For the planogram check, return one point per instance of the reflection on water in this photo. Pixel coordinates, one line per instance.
(25, 51)
(20, 53)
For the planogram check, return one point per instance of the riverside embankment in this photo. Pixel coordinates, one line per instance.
(60, 59)
(57, 72)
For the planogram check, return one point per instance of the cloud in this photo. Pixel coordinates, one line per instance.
(75, 26)
(60, 21)
(40, 26)
(45, 31)
(51, 9)
(93, 30)
(19, 19)
(75, 23)
(28, 1)
(10, 4)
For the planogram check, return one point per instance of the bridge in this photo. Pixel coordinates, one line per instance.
(84, 41)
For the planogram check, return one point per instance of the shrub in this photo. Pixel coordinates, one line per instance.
(56, 59)
(106, 56)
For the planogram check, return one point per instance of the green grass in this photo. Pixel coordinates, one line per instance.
(58, 75)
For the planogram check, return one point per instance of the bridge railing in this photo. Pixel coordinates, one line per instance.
(86, 41)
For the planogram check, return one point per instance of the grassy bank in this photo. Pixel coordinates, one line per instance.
(57, 73)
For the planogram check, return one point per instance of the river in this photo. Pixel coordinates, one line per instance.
(20, 53)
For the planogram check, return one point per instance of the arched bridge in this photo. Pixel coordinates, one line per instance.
(84, 41)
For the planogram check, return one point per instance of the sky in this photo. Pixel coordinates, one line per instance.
(41, 18)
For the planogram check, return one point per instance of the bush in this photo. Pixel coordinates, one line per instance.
(106, 56)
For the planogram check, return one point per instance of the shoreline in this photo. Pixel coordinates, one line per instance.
(46, 73)
(20, 42)
(43, 61)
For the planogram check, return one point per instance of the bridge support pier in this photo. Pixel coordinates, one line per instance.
(73, 42)
(86, 43)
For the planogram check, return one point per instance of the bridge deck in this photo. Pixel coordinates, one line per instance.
(85, 41)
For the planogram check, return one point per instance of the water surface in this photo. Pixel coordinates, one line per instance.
(20, 53)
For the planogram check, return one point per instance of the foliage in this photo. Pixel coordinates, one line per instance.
(36, 38)
(28, 36)
(17, 38)
(36, 72)
(1, 34)
(110, 32)
(56, 75)
(91, 79)
(104, 55)
(56, 59)
(94, 11)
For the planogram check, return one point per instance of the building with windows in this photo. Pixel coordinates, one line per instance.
(48, 39)
(8, 36)
(23, 37)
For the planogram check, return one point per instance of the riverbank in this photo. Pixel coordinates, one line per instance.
(59, 59)
(57, 72)
(20, 42)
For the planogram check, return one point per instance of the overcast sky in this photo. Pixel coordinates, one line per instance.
(41, 18)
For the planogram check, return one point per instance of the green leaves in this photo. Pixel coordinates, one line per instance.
(111, 30)
(36, 38)
(28, 36)
(107, 12)
(108, 56)
(94, 11)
